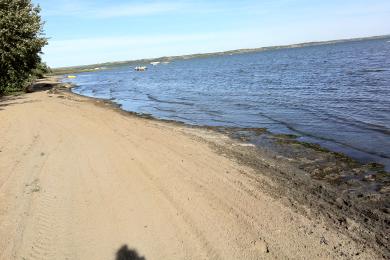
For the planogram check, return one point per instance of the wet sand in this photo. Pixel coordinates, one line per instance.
(80, 178)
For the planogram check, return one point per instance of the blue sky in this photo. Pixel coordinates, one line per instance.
(87, 31)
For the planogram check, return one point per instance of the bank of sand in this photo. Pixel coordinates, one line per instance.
(78, 180)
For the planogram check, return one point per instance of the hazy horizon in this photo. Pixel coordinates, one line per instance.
(91, 32)
(254, 48)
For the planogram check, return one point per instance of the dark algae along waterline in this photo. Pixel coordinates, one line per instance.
(334, 95)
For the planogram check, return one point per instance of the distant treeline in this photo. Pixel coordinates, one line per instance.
(21, 42)
(108, 65)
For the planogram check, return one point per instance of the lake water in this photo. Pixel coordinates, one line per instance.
(336, 95)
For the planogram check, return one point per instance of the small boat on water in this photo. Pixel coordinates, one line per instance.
(140, 68)
(155, 63)
(71, 77)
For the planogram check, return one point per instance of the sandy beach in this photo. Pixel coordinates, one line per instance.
(79, 179)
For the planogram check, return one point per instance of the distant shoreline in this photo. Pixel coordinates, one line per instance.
(108, 65)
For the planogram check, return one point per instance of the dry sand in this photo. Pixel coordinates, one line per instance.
(78, 180)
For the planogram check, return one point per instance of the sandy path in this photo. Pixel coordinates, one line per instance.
(78, 181)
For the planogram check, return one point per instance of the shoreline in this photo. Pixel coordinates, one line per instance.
(345, 195)
(249, 135)
(310, 192)
(356, 194)
(339, 148)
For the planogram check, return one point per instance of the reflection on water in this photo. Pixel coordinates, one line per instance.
(337, 95)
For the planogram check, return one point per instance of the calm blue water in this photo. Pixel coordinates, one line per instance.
(336, 95)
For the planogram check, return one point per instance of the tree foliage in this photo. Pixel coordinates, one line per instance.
(21, 42)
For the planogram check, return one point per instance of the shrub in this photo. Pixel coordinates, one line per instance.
(21, 42)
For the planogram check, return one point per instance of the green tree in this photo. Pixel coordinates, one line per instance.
(21, 42)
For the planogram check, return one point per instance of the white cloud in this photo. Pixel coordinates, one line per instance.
(135, 10)
(63, 8)
(93, 10)
(113, 42)
(96, 50)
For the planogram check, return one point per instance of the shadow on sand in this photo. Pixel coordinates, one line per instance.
(17, 97)
(124, 253)
(12, 100)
